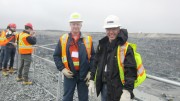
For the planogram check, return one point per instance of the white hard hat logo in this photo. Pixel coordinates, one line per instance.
(110, 22)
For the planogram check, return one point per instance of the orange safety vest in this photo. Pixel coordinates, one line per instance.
(87, 42)
(3, 39)
(24, 46)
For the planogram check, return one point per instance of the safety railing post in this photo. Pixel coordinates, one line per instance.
(58, 88)
(17, 58)
(33, 64)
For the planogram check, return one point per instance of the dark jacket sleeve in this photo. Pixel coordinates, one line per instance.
(31, 40)
(130, 70)
(9, 35)
(57, 57)
(95, 63)
(92, 57)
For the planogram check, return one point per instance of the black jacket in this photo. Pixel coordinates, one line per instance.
(10, 45)
(106, 55)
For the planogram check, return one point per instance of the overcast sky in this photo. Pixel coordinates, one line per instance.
(155, 16)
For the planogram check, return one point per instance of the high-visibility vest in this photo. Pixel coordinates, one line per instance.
(121, 53)
(3, 39)
(24, 46)
(63, 40)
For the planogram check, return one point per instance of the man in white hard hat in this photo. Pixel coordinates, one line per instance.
(106, 72)
(73, 56)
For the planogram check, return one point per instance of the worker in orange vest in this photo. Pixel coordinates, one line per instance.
(3, 39)
(3, 42)
(25, 41)
(73, 56)
(9, 49)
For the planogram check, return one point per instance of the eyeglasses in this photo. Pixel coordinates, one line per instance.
(75, 24)
(112, 29)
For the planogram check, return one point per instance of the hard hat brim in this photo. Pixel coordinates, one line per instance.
(111, 26)
(75, 20)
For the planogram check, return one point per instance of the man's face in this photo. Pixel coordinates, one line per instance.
(112, 33)
(29, 30)
(13, 29)
(75, 27)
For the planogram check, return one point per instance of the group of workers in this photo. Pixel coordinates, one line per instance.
(10, 40)
(113, 70)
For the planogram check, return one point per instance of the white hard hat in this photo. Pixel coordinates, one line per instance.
(111, 21)
(75, 17)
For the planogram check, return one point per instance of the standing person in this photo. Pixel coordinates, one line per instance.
(3, 42)
(2, 50)
(73, 56)
(0, 46)
(10, 49)
(25, 41)
(115, 68)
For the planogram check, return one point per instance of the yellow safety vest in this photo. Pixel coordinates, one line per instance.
(24, 46)
(87, 42)
(121, 53)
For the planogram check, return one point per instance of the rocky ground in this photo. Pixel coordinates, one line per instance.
(160, 53)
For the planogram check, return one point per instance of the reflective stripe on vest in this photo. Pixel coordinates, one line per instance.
(63, 40)
(3, 36)
(88, 44)
(24, 46)
(76, 63)
(121, 52)
(140, 68)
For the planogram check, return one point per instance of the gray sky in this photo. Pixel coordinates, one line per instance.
(161, 16)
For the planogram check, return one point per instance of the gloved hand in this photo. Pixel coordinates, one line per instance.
(67, 73)
(126, 96)
(32, 33)
(14, 44)
(91, 87)
(87, 78)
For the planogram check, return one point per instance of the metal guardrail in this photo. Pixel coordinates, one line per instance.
(148, 75)
(61, 76)
(163, 80)
(49, 44)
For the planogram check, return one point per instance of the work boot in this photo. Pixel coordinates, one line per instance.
(4, 72)
(7, 69)
(27, 83)
(11, 70)
(19, 79)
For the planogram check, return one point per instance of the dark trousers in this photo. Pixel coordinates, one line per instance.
(2, 56)
(9, 54)
(23, 70)
(104, 92)
(69, 88)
